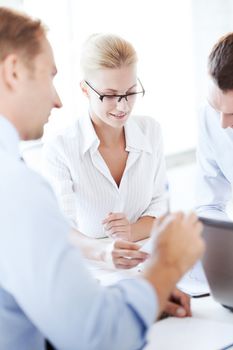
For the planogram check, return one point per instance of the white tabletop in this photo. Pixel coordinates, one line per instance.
(210, 328)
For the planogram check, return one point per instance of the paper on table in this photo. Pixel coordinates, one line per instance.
(189, 333)
(194, 281)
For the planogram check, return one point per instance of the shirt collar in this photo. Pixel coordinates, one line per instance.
(136, 140)
(9, 137)
(89, 137)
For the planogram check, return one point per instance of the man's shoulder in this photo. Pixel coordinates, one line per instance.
(208, 115)
(19, 181)
(27, 200)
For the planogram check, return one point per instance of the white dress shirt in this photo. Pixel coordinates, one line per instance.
(215, 165)
(45, 289)
(84, 185)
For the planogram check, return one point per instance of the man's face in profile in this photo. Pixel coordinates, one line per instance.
(39, 92)
(222, 102)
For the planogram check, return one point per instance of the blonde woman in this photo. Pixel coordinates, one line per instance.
(108, 169)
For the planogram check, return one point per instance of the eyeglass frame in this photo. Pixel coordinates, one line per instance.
(101, 97)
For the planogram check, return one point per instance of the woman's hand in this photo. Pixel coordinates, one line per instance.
(126, 255)
(117, 225)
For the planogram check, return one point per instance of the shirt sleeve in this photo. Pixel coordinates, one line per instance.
(158, 204)
(57, 172)
(49, 281)
(213, 190)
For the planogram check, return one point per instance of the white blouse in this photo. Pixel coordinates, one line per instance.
(84, 185)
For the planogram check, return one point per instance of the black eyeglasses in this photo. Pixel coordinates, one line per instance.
(113, 99)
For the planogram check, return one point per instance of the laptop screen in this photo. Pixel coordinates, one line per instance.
(218, 259)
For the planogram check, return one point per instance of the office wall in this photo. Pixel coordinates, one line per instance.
(210, 20)
(172, 38)
(12, 3)
(161, 33)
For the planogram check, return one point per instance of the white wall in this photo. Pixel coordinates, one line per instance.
(17, 4)
(161, 33)
(211, 20)
(173, 39)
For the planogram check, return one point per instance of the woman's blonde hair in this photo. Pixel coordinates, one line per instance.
(106, 51)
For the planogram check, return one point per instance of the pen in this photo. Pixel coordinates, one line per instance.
(201, 295)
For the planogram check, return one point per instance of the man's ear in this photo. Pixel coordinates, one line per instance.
(11, 70)
(84, 89)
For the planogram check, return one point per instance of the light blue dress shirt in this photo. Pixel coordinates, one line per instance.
(45, 289)
(215, 165)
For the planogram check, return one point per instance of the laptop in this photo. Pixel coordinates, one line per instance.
(218, 259)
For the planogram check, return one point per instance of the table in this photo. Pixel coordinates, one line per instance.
(210, 328)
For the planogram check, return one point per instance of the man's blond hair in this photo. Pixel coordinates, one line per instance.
(19, 34)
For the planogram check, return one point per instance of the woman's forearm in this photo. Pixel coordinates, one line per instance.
(141, 229)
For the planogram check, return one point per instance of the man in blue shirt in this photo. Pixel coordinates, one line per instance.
(215, 146)
(45, 289)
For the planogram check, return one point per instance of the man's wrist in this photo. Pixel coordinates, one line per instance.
(163, 279)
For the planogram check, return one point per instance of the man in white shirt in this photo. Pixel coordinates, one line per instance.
(215, 146)
(45, 289)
